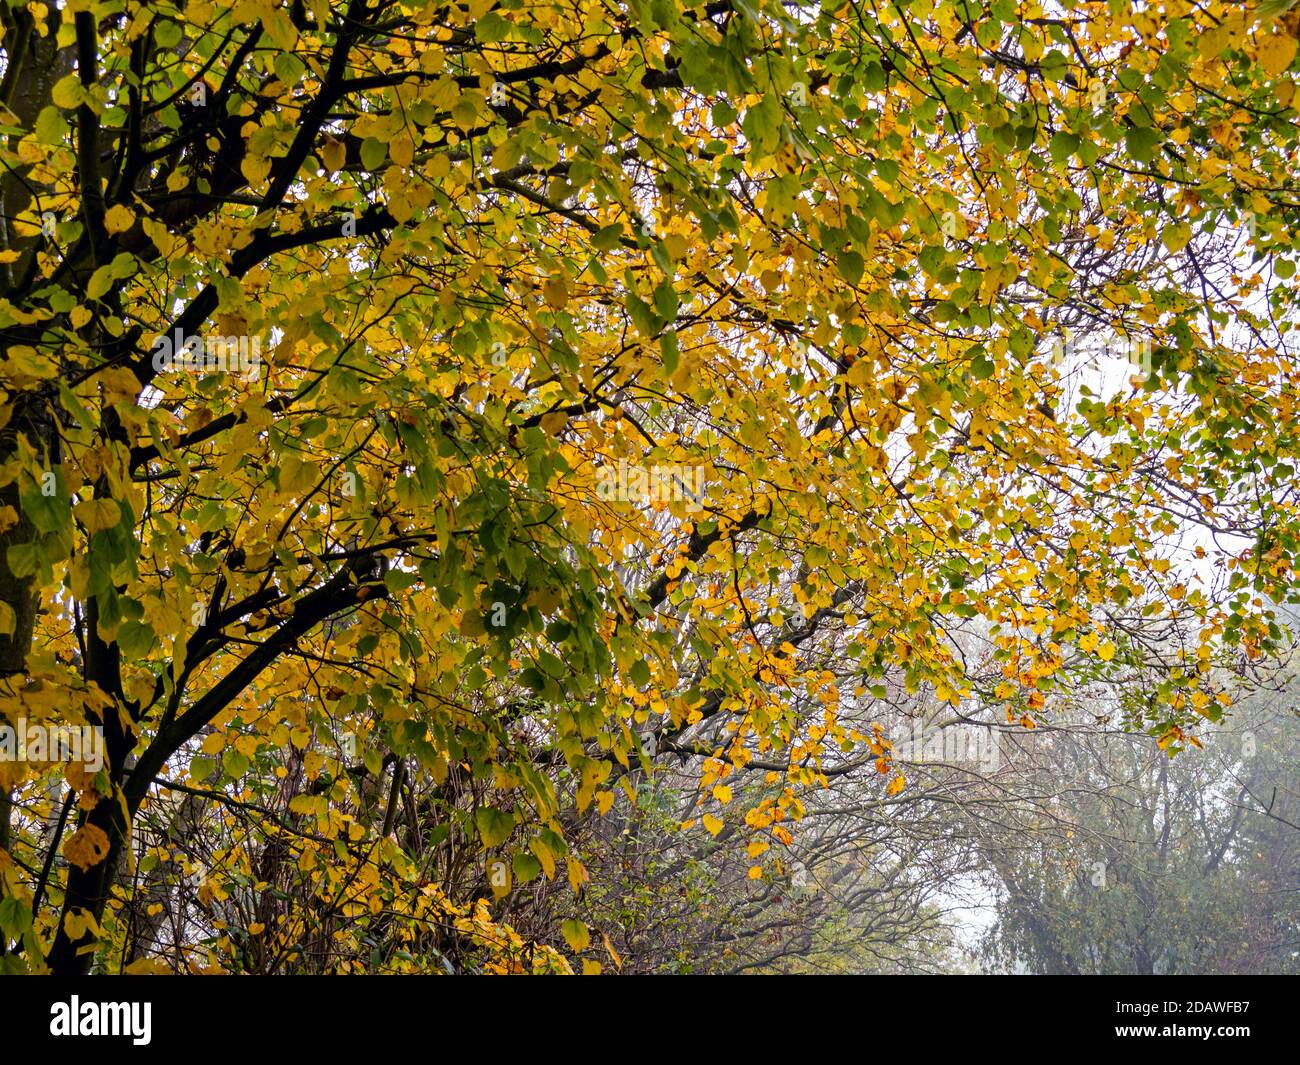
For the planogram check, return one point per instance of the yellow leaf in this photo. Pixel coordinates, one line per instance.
(86, 847)
(556, 293)
(1106, 651)
(555, 421)
(860, 373)
(712, 824)
(544, 855)
(401, 150)
(67, 92)
(1175, 237)
(577, 873)
(1225, 133)
(333, 154)
(30, 152)
(98, 514)
(118, 219)
(24, 361)
(618, 961)
(79, 921)
(100, 282)
(255, 167)
(1276, 53)
(147, 967)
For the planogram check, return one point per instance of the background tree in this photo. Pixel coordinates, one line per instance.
(1187, 865)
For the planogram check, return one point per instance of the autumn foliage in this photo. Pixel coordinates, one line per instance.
(580, 392)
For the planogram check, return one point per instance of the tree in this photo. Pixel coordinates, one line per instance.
(1183, 866)
(474, 405)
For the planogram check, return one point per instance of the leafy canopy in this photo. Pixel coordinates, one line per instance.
(483, 256)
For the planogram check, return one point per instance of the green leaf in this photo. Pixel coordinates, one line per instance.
(526, 867)
(47, 513)
(50, 126)
(491, 28)
(494, 825)
(22, 560)
(850, 265)
(397, 580)
(607, 237)
(15, 917)
(669, 351)
(1142, 143)
(640, 313)
(234, 763)
(1062, 146)
(762, 125)
(76, 408)
(666, 300)
(167, 34)
(289, 68)
(202, 767)
(373, 153)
